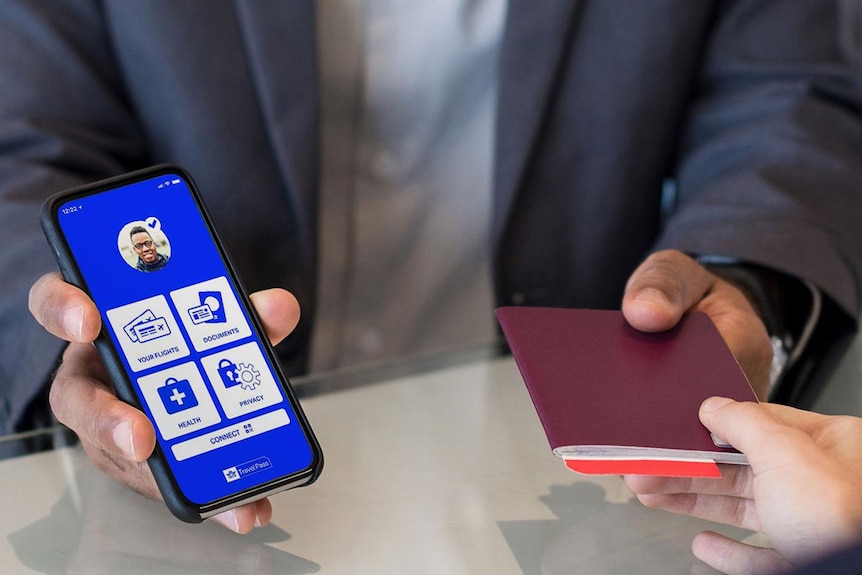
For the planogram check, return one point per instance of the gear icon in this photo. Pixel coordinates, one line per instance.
(249, 377)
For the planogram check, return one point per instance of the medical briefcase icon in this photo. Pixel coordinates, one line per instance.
(177, 395)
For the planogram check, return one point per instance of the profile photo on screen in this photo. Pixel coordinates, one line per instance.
(144, 246)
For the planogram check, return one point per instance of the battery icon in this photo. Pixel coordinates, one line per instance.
(177, 181)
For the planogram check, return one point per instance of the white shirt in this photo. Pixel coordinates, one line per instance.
(409, 94)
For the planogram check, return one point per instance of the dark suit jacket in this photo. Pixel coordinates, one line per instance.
(748, 110)
(843, 562)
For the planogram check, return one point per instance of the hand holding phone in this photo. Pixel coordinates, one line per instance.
(117, 437)
(185, 348)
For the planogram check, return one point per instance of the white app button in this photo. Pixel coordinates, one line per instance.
(210, 313)
(241, 379)
(179, 400)
(148, 333)
(230, 434)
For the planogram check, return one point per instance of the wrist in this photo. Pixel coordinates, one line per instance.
(788, 307)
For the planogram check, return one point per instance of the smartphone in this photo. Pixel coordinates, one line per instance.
(181, 340)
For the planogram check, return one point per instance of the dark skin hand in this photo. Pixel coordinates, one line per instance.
(119, 438)
(669, 283)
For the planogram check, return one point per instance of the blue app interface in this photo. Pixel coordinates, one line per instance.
(174, 315)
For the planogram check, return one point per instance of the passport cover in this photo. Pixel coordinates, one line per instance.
(615, 400)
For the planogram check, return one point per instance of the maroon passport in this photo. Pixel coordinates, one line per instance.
(615, 400)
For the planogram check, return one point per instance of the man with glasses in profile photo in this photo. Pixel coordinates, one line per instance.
(149, 258)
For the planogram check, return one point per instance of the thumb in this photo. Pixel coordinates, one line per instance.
(754, 430)
(666, 285)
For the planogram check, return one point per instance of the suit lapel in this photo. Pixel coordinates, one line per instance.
(280, 41)
(533, 46)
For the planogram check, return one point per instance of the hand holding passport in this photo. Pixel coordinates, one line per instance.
(615, 400)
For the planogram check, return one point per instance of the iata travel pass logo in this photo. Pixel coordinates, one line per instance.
(247, 468)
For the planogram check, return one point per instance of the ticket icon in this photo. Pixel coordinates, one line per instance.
(147, 327)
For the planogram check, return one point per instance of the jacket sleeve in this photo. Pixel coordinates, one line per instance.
(63, 121)
(770, 166)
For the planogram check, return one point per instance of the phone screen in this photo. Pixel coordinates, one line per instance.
(191, 351)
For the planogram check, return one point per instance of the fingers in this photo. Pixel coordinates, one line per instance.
(85, 404)
(735, 481)
(800, 489)
(662, 288)
(70, 314)
(79, 397)
(245, 518)
(733, 557)
(754, 429)
(729, 510)
(669, 283)
(727, 500)
(278, 311)
(63, 309)
(117, 437)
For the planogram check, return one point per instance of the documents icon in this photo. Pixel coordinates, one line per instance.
(147, 327)
(211, 309)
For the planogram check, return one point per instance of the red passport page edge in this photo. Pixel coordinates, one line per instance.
(614, 400)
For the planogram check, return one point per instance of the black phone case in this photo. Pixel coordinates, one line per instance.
(178, 504)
